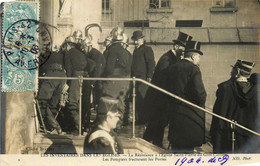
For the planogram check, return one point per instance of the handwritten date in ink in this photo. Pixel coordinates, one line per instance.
(182, 161)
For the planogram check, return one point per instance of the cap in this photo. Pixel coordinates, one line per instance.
(107, 104)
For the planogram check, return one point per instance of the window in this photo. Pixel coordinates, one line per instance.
(224, 3)
(224, 6)
(105, 5)
(154, 4)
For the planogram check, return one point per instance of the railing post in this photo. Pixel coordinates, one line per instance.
(233, 136)
(80, 101)
(134, 94)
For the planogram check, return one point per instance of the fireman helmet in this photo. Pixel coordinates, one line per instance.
(87, 42)
(117, 34)
(77, 34)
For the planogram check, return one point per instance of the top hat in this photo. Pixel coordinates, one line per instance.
(182, 39)
(244, 67)
(107, 104)
(193, 46)
(137, 35)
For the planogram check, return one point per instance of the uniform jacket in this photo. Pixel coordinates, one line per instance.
(117, 63)
(186, 123)
(236, 105)
(105, 53)
(100, 61)
(143, 62)
(55, 62)
(75, 60)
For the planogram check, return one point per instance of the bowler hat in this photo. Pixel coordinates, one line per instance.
(244, 67)
(182, 39)
(107, 104)
(193, 46)
(137, 35)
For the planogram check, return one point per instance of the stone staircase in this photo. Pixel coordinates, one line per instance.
(71, 144)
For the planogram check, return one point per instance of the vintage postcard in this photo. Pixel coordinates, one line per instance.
(130, 82)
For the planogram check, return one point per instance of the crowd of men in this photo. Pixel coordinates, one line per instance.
(177, 71)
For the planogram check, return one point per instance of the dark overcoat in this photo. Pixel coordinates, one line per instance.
(100, 61)
(143, 62)
(51, 89)
(142, 67)
(117, 65)
(155, 100)
(187, 124)
(239, 106)
(117, 61)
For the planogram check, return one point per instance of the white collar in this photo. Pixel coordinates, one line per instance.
(104, 128)
(173, 51)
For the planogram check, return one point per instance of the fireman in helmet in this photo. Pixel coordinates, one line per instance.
(75, 38)
(77, 65)
(50, 90)
(94, 57)
(117, 65)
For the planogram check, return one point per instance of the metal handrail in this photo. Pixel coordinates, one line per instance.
(156, 87)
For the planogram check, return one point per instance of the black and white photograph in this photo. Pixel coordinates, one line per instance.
(138, 82)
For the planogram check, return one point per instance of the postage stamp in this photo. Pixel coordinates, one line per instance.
(20, 49)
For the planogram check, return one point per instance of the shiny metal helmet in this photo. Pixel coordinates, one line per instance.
(77, 34)
(87, 42)
(117, 33)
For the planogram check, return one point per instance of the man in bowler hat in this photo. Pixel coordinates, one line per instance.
(156, 101)
(143, 65)
(187, 123)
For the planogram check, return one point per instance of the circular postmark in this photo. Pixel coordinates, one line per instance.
(27, 44)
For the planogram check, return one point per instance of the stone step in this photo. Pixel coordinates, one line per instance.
(67, 143)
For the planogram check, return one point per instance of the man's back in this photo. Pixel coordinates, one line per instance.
(185, 81)
(117, 60)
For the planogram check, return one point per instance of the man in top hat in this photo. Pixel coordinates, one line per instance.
(101, 139)
(143, 65)
(237, 101)
(186, 129)
(156, 101)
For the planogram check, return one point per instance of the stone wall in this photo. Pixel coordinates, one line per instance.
(20, 125)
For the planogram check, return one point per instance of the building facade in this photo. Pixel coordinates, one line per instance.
(228, 29)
